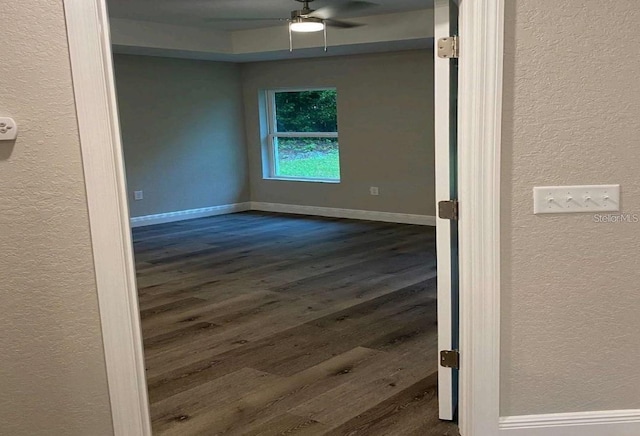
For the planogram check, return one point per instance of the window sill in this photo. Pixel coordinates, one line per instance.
(293, 179)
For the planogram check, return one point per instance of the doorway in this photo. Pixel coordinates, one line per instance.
(113, 173)
(284, 295)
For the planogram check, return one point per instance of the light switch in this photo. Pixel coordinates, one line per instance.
(576, 199)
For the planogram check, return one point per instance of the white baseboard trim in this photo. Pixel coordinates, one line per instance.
(598, 423)
(169, 217)
(389, 217)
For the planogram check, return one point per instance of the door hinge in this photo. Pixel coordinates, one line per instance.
(450, 359)
(448, 47)
(448, 210)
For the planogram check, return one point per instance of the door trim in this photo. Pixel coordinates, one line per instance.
(479, 136)
(95, 98)
(480, 103)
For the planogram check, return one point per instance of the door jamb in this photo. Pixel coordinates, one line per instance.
(95, 98)
(480, 103)
(479, 140)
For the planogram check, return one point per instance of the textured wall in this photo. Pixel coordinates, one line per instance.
(385, 123)
(183, 133)
(570, 287)
(52, 372)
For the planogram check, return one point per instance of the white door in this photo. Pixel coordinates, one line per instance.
(446, 89)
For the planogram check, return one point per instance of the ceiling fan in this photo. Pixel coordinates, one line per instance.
(314, 20)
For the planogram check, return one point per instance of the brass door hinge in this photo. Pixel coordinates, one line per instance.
(448, 210)
(448, 47)
(450, 359)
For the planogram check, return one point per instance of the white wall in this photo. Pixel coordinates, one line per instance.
(183, 133)
(571, 300)
(52, 372)
(385, 119)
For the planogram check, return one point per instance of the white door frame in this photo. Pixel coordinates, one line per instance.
(95, 96)
(479, 139)
(480, 105)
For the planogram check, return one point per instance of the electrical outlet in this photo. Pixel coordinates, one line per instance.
(374, 190)
(137, 195)
(8, 129)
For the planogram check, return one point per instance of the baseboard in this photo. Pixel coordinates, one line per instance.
(403, 218)
(389, 217)
(599, 423)
(149, 220)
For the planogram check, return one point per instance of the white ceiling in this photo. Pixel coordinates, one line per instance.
(197, 12)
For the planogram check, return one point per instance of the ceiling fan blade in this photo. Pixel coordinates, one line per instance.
(328, 12)
(342, 24)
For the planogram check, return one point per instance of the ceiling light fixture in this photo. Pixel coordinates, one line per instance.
(301, 22)
(306, 25)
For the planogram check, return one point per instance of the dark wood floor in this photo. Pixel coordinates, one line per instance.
(266, 324)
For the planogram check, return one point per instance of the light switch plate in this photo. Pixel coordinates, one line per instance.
(576, 199)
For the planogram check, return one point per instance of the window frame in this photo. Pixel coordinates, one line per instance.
(273, 134)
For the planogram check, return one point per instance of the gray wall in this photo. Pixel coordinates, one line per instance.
(570, 307)
(570, 291)
(385, 117)
(183, 133)
(52, 372)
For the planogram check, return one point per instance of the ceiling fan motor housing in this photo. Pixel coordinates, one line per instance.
(306, 10)
(303, 13)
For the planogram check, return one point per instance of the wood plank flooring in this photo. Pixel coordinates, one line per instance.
(266, 324)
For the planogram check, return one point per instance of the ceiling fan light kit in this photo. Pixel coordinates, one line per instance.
(305, 25)
(302, 22)
(301, 25)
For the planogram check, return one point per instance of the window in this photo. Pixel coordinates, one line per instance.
(303, 135)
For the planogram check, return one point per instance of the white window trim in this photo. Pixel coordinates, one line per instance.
(272, 134)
